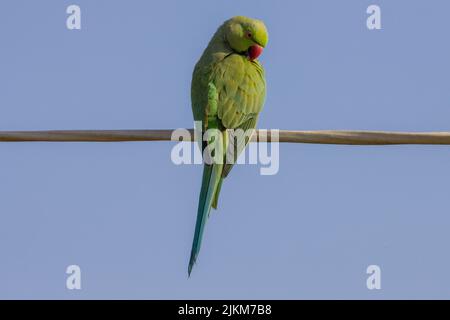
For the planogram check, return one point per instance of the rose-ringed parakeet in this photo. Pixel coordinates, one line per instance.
(228, 92)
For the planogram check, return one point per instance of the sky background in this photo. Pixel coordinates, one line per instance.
(125, 213)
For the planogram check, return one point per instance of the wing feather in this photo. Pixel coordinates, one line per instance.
(242, 90)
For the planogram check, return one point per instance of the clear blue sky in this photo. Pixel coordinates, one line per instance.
(125, 213)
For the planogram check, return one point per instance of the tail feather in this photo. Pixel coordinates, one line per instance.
(216, 194)
(210, 181)
(226, 141)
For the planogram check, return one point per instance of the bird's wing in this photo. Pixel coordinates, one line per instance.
(241, 89)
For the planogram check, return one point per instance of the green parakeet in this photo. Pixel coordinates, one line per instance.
(228, 92)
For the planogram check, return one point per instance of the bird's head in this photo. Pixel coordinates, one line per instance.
(246, 35)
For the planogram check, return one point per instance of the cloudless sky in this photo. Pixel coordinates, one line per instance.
(125, 213)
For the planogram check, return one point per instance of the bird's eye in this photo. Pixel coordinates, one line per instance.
(248, 35)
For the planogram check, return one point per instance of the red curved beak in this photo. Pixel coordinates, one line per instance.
(254, 52)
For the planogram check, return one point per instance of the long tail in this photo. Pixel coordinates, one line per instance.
(211, 176)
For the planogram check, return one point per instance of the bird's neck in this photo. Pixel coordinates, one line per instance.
(218, 47)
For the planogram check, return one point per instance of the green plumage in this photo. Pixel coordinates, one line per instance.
(228, 92)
